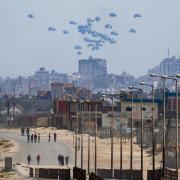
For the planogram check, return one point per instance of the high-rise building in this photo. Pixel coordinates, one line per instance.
(170, 66)
(91, 68)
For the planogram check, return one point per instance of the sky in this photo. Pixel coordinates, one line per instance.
(26, 44)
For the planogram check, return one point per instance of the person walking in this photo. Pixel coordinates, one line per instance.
(38, 158)
(59, 159)
(29, 159)
(55, 136)
(27, 130)
(38, 138)
(49, 137)
(32, 136)
(67, 160)
(62, 160)
(28, 138)
(35, 137)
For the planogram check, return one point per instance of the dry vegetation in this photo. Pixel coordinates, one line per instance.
(7, 175)
(5, 145)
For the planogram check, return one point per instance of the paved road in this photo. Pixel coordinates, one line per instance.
(47, 150)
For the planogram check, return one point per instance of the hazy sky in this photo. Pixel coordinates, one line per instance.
(25, 44)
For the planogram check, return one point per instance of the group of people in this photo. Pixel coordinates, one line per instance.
(33, 137)
(36, 137)
(38, 158)
(55, 137)
(61, 159)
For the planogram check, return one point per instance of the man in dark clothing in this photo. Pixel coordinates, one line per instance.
(27, 130)
(55, 136)
(62, 160)
(35, 137)
(38, 138)
(28, 138)
(29, 159)
(59, 159)
(32, 138)
(38, 158)
(67, 160)
(49, 137)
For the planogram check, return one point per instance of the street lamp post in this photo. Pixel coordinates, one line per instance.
(121, 121)
(177, 127)
(122, 93)
(76, 131)
(131, 140)
(112, 139)
(177, 124)
(95, 146)
(112, 133)
(142, 128)
(176, 87)
(153, 126)
(82, 109)
(164, 125)
(89, 121)
(163, 78)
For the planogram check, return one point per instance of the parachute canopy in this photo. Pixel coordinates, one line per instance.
(132, 31)
(137, 15)
(51, 28)
(30, 16)
(112, 14)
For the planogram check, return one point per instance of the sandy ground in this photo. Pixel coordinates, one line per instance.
(103, 150)
(7, 148)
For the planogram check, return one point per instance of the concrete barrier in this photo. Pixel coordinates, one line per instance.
(92, 176)
(125, 174)
(104, 173)
(50, 173)
(79, 174)
(168, 175)
(31, 172)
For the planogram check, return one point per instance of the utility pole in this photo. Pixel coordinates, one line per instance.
(177, 120)
(112, 139)
(121, 121)
(95, 146)
(177, 123)
(153, 124)
(89, 121)
(131, 141)
(142, 133)
(164, 125)
(177, 126)
(82, 122)
(76, 131)
(142, 128)
(112, 135)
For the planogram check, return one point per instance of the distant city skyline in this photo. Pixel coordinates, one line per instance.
(92, 74)
(26, 44)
